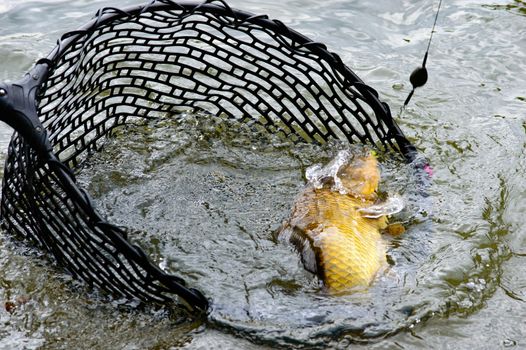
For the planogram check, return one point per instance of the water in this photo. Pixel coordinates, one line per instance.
(206, 199)
(457, 278)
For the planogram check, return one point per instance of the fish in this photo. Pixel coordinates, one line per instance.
(336, 222)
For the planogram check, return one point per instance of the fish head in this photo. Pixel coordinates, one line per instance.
(360, 176)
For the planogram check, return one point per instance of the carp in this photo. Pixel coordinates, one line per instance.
(336, 222)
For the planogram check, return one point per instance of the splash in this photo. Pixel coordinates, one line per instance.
(317, 175)
(394, 204)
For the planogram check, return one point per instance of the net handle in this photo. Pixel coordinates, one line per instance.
(18, 109)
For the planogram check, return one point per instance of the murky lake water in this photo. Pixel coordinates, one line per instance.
(458, 279)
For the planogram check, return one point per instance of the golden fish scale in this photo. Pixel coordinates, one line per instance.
(349, 249)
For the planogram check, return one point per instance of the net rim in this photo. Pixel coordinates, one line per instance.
(39, 74)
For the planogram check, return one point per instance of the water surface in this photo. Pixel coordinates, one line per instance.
(457, 277)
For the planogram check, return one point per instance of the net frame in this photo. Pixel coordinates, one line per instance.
(68, 104)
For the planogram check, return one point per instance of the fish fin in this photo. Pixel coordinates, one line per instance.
(304, 248)
(308, 257)
(395, 229)
(283, 233)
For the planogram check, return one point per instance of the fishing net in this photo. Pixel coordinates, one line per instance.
(148, 62)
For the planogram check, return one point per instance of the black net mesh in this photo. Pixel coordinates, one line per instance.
(147, 62)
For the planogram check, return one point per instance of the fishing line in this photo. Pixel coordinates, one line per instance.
(418, 77)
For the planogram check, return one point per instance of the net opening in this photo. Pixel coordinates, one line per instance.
(144, 62)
